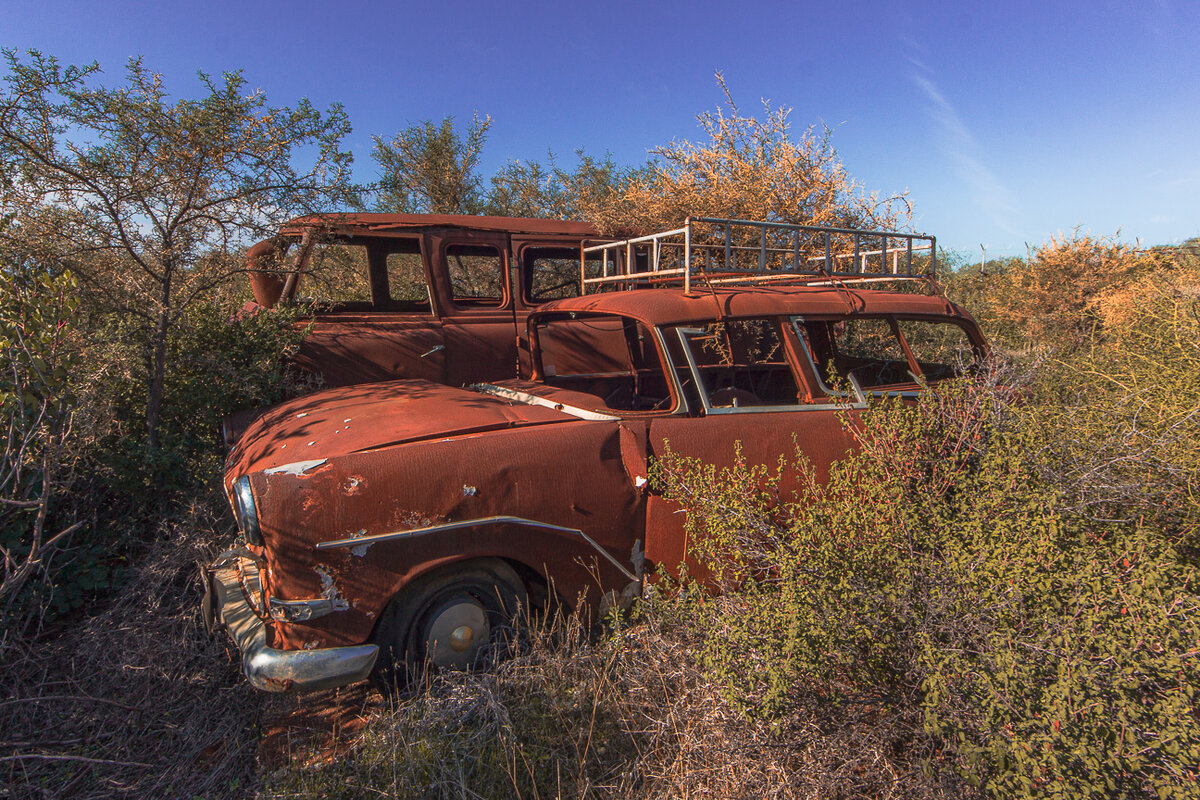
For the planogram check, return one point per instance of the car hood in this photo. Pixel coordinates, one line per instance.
(301, 433)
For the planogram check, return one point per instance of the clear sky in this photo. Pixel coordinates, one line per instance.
(1006, 122)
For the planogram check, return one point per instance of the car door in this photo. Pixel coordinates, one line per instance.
(475, 304)
(749, 393)
(375, 320)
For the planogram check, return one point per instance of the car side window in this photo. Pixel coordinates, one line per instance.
(870, 350)
(740, 363)
(552, 273)
(406, 282)
(942, 348)
(337, 275)
(476, 274)
(610, 357)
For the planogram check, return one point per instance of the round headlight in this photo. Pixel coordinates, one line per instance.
(245, 510)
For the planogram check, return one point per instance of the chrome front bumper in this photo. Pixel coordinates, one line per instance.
(227, 582)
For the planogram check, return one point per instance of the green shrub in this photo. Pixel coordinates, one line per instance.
(220, 362)
(940, 576)
(37, 313)
(74, 407)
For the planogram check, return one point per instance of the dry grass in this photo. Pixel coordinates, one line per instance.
(134, 701)
(137, 701)
(628, 715)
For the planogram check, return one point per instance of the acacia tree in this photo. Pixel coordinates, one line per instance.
(36, 311)
(434, 169)
(148, 199)
(529, 189)
(431, 169)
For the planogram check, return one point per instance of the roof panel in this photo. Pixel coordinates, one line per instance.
(364, 223)
(669, 306)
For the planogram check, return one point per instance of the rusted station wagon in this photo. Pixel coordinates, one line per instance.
(401, 523)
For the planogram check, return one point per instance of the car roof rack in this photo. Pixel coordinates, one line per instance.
(713, 251)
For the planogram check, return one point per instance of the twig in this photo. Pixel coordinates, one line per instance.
(68, 697)
(85, 759)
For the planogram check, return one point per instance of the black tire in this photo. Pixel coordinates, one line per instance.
(483, 596)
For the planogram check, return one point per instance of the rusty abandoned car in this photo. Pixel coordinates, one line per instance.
(417, 295)
(398, 523)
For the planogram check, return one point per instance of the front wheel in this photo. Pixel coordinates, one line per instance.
(459, 618)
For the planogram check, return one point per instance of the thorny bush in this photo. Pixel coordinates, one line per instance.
(36, 316)
(943, 576)
(76, 454)
(221, 362)
(1128, 433)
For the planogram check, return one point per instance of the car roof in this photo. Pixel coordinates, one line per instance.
(672, 306)
(360, 224)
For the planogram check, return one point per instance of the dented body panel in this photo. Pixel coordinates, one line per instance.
(477, 475)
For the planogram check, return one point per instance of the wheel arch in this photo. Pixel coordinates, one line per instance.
(555, 564)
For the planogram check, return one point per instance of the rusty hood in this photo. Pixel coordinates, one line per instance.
(300, 434)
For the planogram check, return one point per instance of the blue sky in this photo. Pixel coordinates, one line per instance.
(1006, 122)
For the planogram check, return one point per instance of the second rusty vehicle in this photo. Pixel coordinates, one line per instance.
(442, 297)
(400, 523)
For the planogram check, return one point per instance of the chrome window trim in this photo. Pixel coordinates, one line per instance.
(790, 408)
(534, 400)
(665, 360)
(702, 387)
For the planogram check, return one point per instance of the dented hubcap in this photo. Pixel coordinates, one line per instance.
(456, 631)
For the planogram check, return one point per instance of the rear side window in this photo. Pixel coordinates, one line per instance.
(942, 349)
(476, 274)
(740, 363)
(871, 351)
(552, 273)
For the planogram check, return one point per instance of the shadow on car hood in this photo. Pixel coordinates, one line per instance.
(301, 433)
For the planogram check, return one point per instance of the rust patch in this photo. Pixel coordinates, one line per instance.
(330, 592)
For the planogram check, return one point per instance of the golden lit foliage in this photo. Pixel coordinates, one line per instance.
(1118, 332)
(1052, 300)
(748, 168)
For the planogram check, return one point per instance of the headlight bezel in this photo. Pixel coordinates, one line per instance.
(245, 510)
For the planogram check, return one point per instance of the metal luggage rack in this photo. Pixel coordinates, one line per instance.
(715, 251)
